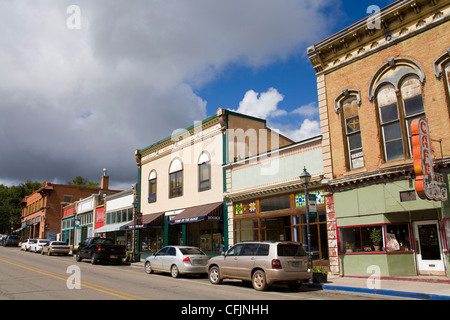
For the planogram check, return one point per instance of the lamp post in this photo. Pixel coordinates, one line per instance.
(135, 204)
(305, 177)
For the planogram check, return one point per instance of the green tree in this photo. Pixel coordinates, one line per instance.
(82, 182)
(10, 204)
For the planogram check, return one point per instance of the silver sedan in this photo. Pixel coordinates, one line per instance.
(177, 260)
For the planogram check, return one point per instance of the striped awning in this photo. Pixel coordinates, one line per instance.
(148, 220)
(212, 211)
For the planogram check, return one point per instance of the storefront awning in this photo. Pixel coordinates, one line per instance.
(212, 211)
(148, 220)
(111, 227)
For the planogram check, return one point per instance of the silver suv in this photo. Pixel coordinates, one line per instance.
(263, 263)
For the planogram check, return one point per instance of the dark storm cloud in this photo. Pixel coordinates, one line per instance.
(73, 101)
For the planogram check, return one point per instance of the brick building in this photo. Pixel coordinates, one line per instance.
(374, 78)
(41, 210)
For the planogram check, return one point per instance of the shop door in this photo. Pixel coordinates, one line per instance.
(428, 248)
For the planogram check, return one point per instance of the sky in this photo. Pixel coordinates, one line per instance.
(84, 83)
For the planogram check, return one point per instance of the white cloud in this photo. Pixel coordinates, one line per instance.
(264, 105)
(308, 110)
(308, 128)
(75, 101)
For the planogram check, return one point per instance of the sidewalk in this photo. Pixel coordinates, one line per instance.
(423, 287)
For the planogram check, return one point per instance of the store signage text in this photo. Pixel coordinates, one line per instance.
(429, 184)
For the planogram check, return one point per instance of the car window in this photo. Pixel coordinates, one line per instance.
(290, 250)
(263, 250)
(163, 251)
(234, 251)
(249, 249)
(191, 251)
(171, 251)
(58, 243)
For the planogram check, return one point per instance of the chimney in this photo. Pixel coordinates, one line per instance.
(104, 185)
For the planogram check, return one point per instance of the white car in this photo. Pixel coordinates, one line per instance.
(38, 244)
(26, 244)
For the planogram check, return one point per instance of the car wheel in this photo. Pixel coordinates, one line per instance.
(174, 271)
(259, 280)
(94, 259)
(148, 267)
(214, 275)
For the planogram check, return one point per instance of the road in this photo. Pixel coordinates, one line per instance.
(31, 276)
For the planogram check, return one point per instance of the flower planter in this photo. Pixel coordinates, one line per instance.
(319, 277)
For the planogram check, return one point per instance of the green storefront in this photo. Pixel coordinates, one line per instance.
(386, 230)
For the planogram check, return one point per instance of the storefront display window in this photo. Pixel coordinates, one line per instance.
(275, 203)
(205, 235)
(375, 238)
(151, 239)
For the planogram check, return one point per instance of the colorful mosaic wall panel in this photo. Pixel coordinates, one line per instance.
(300, 198)
(244, 208)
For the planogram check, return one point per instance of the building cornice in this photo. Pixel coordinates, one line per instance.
(394, 23)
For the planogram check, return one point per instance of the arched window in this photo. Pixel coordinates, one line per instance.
(396, 113)
(397, 87)
(176, 178)
(204, 171)
(152, 186)
(347, 103)
(442, 72)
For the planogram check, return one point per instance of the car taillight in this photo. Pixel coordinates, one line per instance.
(187, 260)
(276, 264)
(99, 249)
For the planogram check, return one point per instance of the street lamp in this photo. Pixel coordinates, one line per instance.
(135, 204)
(305, 178)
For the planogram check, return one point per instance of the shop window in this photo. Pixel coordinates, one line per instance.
(176, 178)
(361, 239)
(375, 238)
(152, 187)
(398, 237)
(275, 203)
(246, 230)
(204, 172)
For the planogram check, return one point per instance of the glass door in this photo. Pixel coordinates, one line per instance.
(428, 248)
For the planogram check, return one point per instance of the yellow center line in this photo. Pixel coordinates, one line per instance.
(113, 292)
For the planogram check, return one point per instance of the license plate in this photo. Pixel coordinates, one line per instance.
(113, 256)
(295, 264)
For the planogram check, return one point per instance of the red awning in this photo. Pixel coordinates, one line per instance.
(212, 211)
(148, 220)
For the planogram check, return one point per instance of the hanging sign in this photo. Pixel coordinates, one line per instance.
(429, 184)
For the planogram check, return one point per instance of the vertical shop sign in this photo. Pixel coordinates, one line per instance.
(429, 184)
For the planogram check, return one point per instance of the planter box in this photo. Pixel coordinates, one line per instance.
(319, 277)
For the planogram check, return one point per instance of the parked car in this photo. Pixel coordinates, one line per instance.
(263, 263)
(100, 249)
(12, 241)
(37, 245)
(58, 247)
(177, 260)
(26, 244)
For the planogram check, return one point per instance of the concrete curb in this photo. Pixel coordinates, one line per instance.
(403, 294)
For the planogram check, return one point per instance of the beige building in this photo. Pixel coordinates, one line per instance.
(181, 179)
